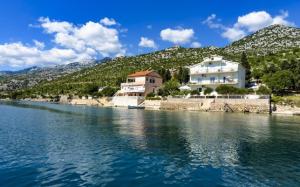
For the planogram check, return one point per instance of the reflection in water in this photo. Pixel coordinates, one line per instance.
(65, 145)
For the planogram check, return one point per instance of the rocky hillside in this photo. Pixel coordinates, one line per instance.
(268, 40)
(14, 80)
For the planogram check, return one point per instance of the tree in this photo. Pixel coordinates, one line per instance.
(245, 63)
(90, 89)
(165, 74)
(108, 91)
(171, 87)
(183, 75)
(279, 81)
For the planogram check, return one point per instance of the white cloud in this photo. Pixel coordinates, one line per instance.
(39, 44)
(281, 19)
(148, 43)
(55, 26)
(246, 24)
(254, 21)
(17, 55)
(71, 43)
(108, 21)
(177, 36)
(103, 40)
(233, 34)
(213, 22)
(196, 45)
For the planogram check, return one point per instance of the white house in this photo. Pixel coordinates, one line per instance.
(215, 71)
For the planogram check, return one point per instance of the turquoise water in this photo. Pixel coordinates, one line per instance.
(61, 145)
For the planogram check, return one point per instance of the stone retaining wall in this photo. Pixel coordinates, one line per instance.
(210, 104)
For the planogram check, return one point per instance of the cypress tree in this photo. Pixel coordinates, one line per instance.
(245, 63)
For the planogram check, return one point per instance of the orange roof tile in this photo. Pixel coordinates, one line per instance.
(143, 73)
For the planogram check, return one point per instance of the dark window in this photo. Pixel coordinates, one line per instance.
(130, 80)
(152, 80)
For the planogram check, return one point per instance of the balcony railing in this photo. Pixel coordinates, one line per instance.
(131, 89)
(132, 84)
(213, 70)
(213, 82)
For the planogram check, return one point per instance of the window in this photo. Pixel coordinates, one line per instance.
(199, 79)
(212, 79)
(130, 80)
(147, 79)
(152, 80)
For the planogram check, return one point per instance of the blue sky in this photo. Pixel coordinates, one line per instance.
(54, 32)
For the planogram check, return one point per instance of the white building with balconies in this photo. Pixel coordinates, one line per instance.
(215, 71)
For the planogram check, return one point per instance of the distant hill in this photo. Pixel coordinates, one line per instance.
(271, 39)
(14, 80)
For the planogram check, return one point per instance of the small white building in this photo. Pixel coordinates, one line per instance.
(215, 71)
(141, 83)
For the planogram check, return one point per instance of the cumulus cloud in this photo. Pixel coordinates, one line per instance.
(108, 21)
(233, 34)
(213, 22)
(147, 43)
(71, 43)
(196, 45)
(177, 36)
(247, 23)
(18, 55)
(39, 44)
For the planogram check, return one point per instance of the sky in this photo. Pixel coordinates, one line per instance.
(51, 32)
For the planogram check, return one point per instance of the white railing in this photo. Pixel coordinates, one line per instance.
(213, 70)
(133, 88)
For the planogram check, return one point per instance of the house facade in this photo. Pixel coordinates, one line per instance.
(141, 83)
(215, 71)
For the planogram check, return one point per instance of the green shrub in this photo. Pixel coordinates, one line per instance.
(263, 90)
(195, 92)
(162, 92)
(150, 94)
(153, 98)
(225, 89)
(108, 91)
(208, 91)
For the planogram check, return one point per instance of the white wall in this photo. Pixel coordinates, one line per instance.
(127, 100)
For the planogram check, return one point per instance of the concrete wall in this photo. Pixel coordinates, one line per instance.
(127, 100)
(210, 104)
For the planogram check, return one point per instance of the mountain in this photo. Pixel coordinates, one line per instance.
(14, 80)
(271, 39)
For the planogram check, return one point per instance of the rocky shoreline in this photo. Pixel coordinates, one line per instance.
(187, 106)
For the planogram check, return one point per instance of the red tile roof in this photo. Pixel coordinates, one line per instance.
(144, 73)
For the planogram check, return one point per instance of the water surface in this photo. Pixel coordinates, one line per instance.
(60, 145)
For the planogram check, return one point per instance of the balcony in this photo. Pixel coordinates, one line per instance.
(132, 84)
(214, 83)
(132, 88)
(213, 71)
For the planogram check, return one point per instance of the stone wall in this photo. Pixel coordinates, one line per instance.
(211, 104)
